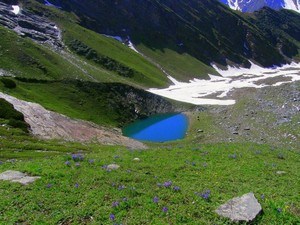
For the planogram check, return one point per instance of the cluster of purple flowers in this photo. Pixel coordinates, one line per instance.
(121, 187)
(1, 162)
(205, 195)
(155, 199)
(91, 161)
(165, 209)
(176, 188)
(168, 184)
(115, 204)
(78, 157)
(68, 163)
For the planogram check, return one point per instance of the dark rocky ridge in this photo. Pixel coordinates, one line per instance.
(29, 25)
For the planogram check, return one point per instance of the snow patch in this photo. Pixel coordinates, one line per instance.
(125, 41)
(47, 3)
(200, 92)
(16, 9)
(292, 5)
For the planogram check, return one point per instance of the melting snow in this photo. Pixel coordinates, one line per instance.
(16, 9)
(124, 41)
(130, 45)
(199, 92)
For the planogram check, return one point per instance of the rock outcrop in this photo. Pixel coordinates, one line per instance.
(46, 124)
(29, 25)
(19, 177)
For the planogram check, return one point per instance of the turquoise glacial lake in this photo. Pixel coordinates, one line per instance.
(158, 128)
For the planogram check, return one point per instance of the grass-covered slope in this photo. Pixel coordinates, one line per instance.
(111, 104)
(24, 58)
(205, 30)
(84, 192)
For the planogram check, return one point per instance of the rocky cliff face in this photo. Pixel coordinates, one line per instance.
(29, 25)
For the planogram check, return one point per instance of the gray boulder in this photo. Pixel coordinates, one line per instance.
(240, 209)
(16, 176)
(113, 167)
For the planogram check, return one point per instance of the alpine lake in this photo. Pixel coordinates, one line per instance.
(158, 128)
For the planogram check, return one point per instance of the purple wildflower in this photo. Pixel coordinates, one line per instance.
(125, 199)
(92, 161)
(262, 196)
(121, 187)
(165, 209)
(104, 167)
(155, 199)
(48, 185)
(115, 204)
(76, 185)
(205, 195)
(68, 163)
(232, 156)
(176, 188)
(1, 162)
(112, 217)
(77, 157)
(279, 210)
(168, 184)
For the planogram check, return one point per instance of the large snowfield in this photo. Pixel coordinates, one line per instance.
(215, 91)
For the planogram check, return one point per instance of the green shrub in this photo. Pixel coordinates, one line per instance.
(104, 61)
(15, 118)
(8, 83)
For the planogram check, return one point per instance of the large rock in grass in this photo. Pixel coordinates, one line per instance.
(241, 209)
(16, 176)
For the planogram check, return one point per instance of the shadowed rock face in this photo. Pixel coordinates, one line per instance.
(28, 25)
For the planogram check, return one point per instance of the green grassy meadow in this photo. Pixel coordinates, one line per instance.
(85, 192)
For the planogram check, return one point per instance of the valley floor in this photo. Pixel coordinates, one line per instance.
(252, 146)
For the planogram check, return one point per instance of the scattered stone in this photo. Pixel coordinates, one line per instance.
(247, 128)
(137, 159)
(241, 209)
(200, 131)
(235, 132)
(113, 167)
(16, 176)
(280, 172)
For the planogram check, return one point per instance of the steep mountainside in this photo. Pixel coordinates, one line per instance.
(206, 30)
(254, 5)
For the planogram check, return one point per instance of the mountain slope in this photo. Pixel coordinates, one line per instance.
(254, 5)
(205, 30)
